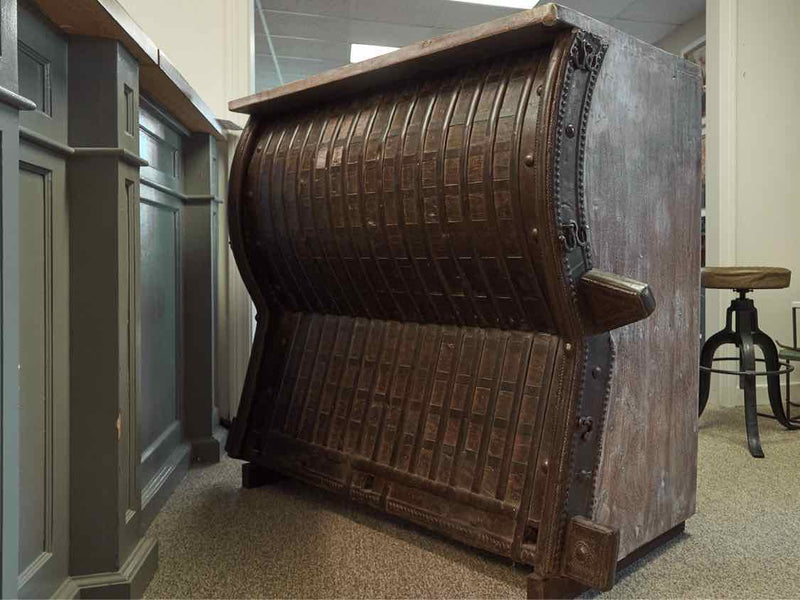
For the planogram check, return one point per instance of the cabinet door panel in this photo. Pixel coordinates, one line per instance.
(44, 380)
(158, 411)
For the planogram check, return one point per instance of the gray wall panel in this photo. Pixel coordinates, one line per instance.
(200, 226)
(130, 356)
(44, 375)
(43, 52)
(9, 303)
(9, 197)
(161, 145)
(160, 254)
(37, 402)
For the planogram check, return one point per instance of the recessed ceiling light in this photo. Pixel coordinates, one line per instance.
(520, 4)
(359, 52)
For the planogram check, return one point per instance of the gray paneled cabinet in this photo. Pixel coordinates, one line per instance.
(43, 311)
(109, 245)
(11, 103)
(178, 287)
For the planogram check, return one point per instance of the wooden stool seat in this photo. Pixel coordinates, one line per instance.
(746, 278)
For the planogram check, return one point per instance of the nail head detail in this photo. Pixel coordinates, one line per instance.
(529, 159)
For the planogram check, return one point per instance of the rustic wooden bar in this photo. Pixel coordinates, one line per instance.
(476, 268)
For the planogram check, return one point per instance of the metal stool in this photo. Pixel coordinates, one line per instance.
(790, 354)
(746, 336)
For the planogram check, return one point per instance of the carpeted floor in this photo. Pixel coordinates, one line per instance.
(217, 540)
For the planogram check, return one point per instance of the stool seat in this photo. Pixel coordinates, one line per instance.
(746, 278)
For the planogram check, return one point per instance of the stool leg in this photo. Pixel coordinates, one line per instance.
(763, 341)
(748, 363)
(726, 336)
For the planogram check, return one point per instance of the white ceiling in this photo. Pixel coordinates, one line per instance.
(312, 36)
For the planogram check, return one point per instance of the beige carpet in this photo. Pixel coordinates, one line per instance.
(291, 541)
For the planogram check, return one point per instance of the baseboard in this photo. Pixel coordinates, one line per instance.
(205, 450)
(129, 582)
(220, 434)
(67, 590)
(163, 483)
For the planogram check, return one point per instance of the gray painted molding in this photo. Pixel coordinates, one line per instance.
(129, 582)
(68, 589)
(201, 198)
(122, 153)
(160, 478)
(14, 100)
(176, 194)
(45, 142)
(163, 115)
(50, 144)
(162, 484)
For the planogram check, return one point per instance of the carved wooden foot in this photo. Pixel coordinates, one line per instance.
(553, 587)
(254, 476)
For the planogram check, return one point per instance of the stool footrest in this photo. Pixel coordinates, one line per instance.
(788, 368)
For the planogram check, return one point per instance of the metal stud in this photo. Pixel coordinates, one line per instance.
(585, 425)
(582, 551)
(529, 159)
(570, 131)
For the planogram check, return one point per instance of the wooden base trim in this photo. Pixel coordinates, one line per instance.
(643, 551)
(205, 450)
(254, 476)
(563, 587)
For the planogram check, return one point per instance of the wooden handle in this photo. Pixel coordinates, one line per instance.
(609, 301)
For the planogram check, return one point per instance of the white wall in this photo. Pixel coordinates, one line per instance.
(753, 168)
(209, 41)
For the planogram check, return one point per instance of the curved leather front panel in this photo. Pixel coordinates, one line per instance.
(405, 204)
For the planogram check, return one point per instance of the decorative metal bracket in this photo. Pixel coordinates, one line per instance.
(584, 52)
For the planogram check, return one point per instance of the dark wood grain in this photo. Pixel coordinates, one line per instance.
(643, 187)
